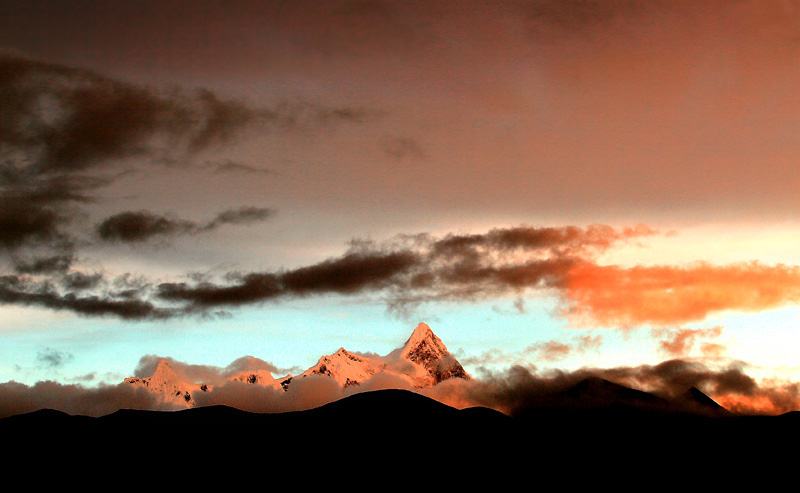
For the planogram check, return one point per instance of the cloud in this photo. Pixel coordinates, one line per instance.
(518, 388)
(612, 295)
(547, 351)
(134, 226)
(251, 363)
(511, 391)
(351, 273)
(414, 269)
(142, 225)
(49, 264)
(681, 342)
(242, 215)
(556, 350)
(411, 270)
(17, 398)
(407, 270)
(53, 358)
(51, 112)
(403, 148)
(421, 267)
(229, 166)
(68, 131)
(16, 290)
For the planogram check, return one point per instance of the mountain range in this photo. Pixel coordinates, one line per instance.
(590, 432)
(423, 361)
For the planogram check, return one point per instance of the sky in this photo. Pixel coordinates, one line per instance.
(555, 187)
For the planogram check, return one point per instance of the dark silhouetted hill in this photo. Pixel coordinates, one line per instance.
(595, 424)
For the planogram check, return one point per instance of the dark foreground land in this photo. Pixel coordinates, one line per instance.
(597, 433)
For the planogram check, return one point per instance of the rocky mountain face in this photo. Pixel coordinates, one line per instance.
(423, 361)
(258, 377)
(425, 350)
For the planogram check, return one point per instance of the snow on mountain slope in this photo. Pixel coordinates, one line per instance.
(430, 357)
(166, 382)
(345, 367)
(423, 361)
(256, 377)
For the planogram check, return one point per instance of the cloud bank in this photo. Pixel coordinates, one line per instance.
(411, 270)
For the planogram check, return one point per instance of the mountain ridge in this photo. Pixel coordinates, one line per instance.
(422, 361)
(387, 430)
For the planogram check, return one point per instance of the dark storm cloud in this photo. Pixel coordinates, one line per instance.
(140, 226)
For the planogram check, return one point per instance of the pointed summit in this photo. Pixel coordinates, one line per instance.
(421, 335)
(423, 331)
(166, 382)
(164, 370)
(423, 361)
(697, 401)
(425, 349)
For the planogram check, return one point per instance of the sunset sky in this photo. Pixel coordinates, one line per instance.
(548, 184)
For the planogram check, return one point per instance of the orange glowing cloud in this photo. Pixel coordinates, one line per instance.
(772, 401)
(681, 342)
(661, 295)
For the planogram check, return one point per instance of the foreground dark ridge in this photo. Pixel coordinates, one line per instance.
(594, 414)
(624, 437)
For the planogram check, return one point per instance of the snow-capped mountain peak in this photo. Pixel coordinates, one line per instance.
(423, 361)
(423, 337)
(257, 377)
(424, 349)
(345, 367)
(168, 383)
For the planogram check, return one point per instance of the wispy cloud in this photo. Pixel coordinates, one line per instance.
(140, 226)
